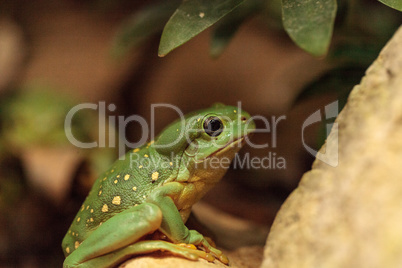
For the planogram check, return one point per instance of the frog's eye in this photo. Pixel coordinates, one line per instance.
(213, 126)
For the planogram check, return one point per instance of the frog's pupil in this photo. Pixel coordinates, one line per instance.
(213, 126)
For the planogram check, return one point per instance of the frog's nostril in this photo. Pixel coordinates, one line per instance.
(243, 119)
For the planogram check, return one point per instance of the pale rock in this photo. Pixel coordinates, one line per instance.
(246, 257)
(350, 215)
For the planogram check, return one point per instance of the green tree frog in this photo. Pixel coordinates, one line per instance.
(151, 191)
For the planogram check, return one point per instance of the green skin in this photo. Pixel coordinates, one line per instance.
(152, 191)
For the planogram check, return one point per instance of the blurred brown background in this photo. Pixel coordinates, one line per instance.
(63, 48)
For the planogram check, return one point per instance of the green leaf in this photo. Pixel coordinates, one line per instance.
(397, 4)
(310, 23)
(142, 25)
(227, 27)
(191, 18)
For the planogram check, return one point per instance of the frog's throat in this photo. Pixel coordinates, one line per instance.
(184, 173)
(230, 145)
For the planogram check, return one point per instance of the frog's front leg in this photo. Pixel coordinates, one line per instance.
(118, 238)
(119, 231)
(172, 224)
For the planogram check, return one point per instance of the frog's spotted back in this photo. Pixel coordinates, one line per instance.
(126, 184)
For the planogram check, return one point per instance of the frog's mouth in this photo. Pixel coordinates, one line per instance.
(235, 144)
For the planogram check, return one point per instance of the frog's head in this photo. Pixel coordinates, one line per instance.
(214, 133)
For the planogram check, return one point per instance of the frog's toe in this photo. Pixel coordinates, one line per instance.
(218, 254)
(223, 259)
(206, 256)
(188, 255)
(209, 257)
(197, 254)
(190, 246)
(192, 250)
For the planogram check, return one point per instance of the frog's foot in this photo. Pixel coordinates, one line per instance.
(210, 246)
(201, 242)
(145, 247)
(216, 253)
(211, 252)
(187, 251)
(190, 246)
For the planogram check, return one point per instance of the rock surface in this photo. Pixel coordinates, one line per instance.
(350, 215)
(246, 257)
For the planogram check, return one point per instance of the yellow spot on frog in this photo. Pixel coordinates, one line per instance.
(234, 111)
(104, 178)
(134, 188)
(87, 207)
(82, 208)
(136, 150)
(68, 250)
(115, 181)
(118, 176)
(69, 231)
(112, 171)
(171, 163)
(91, 219)
(92, 210)
(155, 175)
(116, 200)
(76, 244)
(140, 166)
(100, 186)
(126, 177)
(198, 120)
(146, 156)
(73, 233)
(144, 196)
(105, 208)
(202, 14)
(78, 220)
(100, 192)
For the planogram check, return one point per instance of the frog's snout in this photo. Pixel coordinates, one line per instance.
(249, 126)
